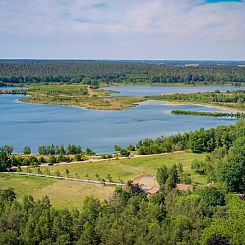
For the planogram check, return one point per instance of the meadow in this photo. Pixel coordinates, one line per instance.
(70, 194)
(79, 95)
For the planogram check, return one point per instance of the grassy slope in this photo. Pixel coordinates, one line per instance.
(72, 94)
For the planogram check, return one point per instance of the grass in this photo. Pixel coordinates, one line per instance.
(81, 95)
(77, 95)
(70, 194)
(62, 193)
(126, 169)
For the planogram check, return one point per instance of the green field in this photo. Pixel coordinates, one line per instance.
(64, 193)
(124, 169)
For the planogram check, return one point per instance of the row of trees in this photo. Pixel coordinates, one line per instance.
(52, 150)
(69, 150)
(209, 113)
(237, 97)
(93, 73)
(197, 141)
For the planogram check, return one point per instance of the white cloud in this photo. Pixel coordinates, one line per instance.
(178, 21)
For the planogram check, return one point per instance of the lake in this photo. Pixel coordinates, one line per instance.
(34, 124)
(139, 90)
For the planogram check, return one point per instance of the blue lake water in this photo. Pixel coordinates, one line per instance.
(34, 124)
(138, 90)
(12, 88)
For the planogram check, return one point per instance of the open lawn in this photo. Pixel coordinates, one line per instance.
(125, 169)
(62, 193)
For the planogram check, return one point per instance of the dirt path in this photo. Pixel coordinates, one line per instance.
(67, 178)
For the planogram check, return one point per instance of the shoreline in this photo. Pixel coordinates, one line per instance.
(174, 103)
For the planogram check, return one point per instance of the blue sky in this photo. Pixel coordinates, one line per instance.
(216, 1)
(123, 29)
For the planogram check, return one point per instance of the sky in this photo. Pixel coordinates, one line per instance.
(123, 29)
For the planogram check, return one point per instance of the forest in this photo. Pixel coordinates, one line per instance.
(97, 72)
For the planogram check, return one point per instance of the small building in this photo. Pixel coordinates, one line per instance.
(153, 190)
(184, 187)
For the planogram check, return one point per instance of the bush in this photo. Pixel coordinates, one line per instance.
(212, 196)
(124, 152)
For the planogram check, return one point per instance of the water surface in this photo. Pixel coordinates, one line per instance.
(34, 124)
(139, 90)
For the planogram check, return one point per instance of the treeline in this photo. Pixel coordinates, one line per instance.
(48, 154)
(52, 150)
(196, 141)
(208, 216)
(116, 72)
(8, 161)
(69, 150)
(237, 97)
(209, 113)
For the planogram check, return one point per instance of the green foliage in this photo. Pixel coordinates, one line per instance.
(94, 73)
(212, 196)
(234, 167)
(7, 148)
(59, 150)
(27, 150)
(233, 99)
(162, 175)
(198, 141)
(167, 178)
(209, 114)
(5, 162)
(117, 148)
(231, 226)
(124, 152)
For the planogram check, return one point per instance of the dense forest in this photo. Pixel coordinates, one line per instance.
(118, 72)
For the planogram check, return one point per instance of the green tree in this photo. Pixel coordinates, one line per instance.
(234, 167)
(117, 148)
(124, 152)
(162, 175)
(27, 150)
(212, 196)
(5, 161)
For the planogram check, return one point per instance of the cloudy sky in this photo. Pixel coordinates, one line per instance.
(123, 29)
